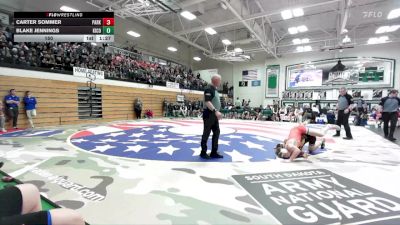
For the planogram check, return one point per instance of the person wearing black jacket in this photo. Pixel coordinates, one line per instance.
(138, 105)
(165, 107)
(389, 107)
(344, 106)
(211, 117)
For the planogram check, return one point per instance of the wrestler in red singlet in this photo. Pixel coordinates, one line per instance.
(296, 133)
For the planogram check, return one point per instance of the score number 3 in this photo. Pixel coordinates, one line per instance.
(108, 21)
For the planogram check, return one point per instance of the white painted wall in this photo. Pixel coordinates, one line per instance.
(225, 69)
(257, 94)
(152, 41)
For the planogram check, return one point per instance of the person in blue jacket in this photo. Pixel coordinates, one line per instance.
(12, 103)
(30, 107)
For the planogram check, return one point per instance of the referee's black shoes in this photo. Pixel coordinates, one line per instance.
(215, 155)
(204, 155)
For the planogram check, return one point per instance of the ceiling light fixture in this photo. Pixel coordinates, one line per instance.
(386, 29)
(188, 15)
(383, 39)
(300, 48)
(393, 28)
(210, 31)
(286, 14)
(145, 2)
(226, 42)
(296, 41)
(306, 48)
(299, 29)
(302, 28)
(346, 39)
(305, 40)
(238, 50)
(197, 58)
(377, 40)
(68, 9)
(298, 12)
(133, 33)
(293, 30)
(394, 14)
(172, 49)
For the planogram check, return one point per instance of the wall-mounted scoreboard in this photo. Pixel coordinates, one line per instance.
(64, 26)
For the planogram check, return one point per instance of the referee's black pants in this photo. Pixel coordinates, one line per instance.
(343, 119)
(211, 123)
(392, 117)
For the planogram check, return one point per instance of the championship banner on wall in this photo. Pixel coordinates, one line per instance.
(272, 83)
(89, 73)
(319, 196)
(172, 85)
(358, 72)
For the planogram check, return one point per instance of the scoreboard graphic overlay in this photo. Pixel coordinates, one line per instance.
(64, 26)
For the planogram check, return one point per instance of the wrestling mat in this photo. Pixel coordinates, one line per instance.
(149, 172)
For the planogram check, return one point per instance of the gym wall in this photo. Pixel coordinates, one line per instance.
(58, 99)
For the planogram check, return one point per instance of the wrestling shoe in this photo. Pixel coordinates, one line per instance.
(323, 143)
(1, 164)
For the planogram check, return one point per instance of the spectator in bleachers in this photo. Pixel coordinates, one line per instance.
(189, 108)
(299, 114)
(30, 107)
(12, 103)
(165, 107)
(237, 103)
(65, 56)
(177, 109)
(170, 109)
(183, 110)
(138, 105)
(2, 118)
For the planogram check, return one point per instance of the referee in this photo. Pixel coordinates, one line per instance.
(211, 115)
(344, 106)
(390, 106)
